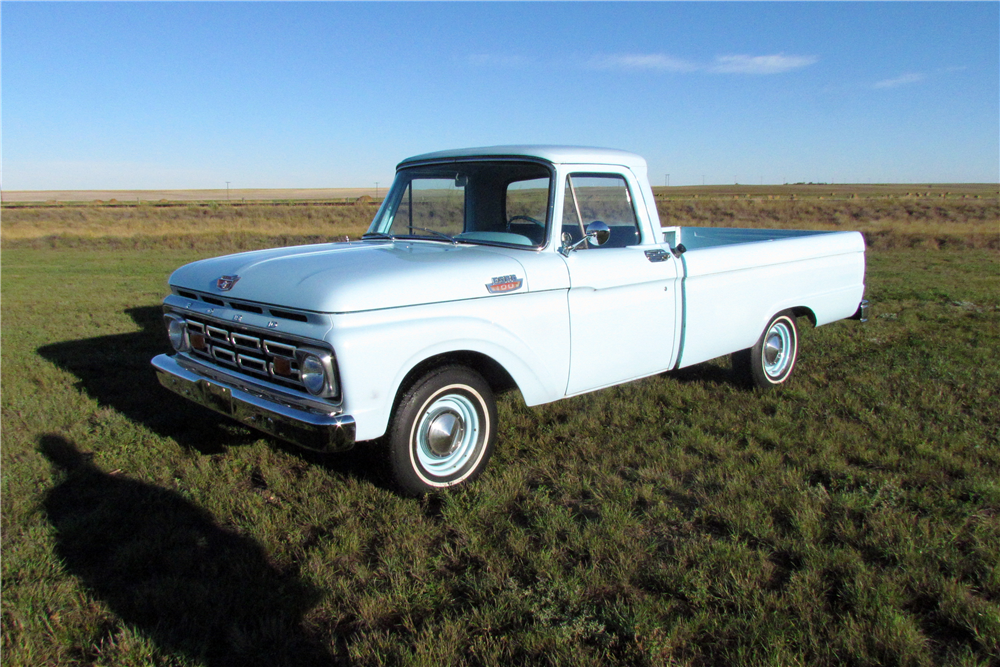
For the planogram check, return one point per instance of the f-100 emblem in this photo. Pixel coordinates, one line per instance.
(504, 284)
(225, 283)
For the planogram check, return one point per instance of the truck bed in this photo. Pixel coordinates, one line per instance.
(734, 280)
(710, 237)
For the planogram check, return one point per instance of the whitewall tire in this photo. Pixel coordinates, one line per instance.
(443, 431)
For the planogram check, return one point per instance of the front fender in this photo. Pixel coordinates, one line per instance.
(527, 334)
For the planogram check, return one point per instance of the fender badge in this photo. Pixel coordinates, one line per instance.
(225, 283)
(504, 284)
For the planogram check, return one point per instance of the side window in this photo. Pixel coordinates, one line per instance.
(603, 197)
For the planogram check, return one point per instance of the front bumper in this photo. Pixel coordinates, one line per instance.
(301, 426)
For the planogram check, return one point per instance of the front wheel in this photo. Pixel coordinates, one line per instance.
(771, 360)
(443, 431)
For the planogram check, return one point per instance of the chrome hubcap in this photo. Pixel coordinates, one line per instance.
(777, 350)
(445, 433)
(773, 350)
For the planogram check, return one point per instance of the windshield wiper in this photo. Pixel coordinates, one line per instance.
(442, 235)
(377, 235)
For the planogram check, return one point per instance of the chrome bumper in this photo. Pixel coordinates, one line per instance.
(862, 313)
(312, 430)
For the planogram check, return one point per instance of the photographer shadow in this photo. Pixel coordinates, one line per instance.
(164, 566)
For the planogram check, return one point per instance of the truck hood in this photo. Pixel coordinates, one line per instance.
(349, 277)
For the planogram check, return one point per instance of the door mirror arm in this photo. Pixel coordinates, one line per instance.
(597, 233)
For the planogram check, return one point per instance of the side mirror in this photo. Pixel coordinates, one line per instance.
(597, 234)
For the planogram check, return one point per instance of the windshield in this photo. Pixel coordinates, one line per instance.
(501, 202)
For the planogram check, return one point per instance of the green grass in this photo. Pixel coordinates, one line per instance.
(850, 518)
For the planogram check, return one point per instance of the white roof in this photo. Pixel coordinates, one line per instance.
(553, 154)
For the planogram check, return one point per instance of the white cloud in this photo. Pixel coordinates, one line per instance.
(735, 64)
(643, 61)
(905, 79)
(773, 64)
(660, 62)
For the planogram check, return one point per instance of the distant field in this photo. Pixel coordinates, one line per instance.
(234, 195)
(839, 191)
(888, 215)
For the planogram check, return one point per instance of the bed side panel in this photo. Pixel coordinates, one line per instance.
(730, 292)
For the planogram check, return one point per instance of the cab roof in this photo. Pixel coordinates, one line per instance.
(553, 154)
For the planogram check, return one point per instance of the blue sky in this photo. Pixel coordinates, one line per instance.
(191, 95)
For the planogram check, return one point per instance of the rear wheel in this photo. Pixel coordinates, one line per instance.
(771, 360)
(443, 431)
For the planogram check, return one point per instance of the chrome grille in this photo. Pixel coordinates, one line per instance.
(265, 355)
(245, 342)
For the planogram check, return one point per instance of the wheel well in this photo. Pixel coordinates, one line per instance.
(495, 375)
(803, 311)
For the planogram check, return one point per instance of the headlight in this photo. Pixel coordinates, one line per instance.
(313, 374)
(316, 371)
(176, 331)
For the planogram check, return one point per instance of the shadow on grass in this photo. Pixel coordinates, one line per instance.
(709, 374)
(165, 567)
(115, 371)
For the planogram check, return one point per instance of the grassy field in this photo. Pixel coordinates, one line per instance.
(850, 518)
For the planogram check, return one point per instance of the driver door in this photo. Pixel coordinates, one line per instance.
(622, 304)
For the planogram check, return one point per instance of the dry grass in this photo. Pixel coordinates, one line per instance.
(886, 222)
(220, 194)
(841, 191)
(889, 216)
(144, 224)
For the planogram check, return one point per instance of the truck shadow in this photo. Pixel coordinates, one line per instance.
(707, 373)
(166, 568)
(115, 371)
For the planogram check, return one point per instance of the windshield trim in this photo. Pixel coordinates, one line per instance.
(394, 194)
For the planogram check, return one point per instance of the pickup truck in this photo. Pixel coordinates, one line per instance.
(540, 268)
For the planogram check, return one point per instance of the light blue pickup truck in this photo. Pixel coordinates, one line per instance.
(540, 268)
